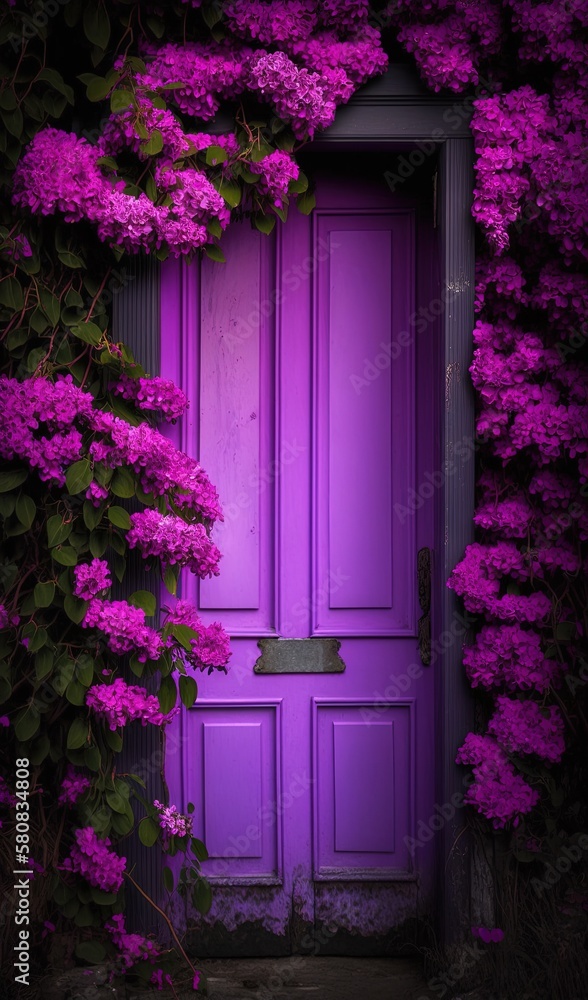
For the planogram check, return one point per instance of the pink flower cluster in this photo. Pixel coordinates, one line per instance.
(276, 171)
(498, 792)
(172, 822)
(159, 394)
(73, 787)
(510, 657)
(119, 703)
(91, 858)
(91, 579)
(37, 423)
(210, 650)
(174, 542)
(125, 629)
(133, 948)
(160, 466)
(43, 423)
(524, 727)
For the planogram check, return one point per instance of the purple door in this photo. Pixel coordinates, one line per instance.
(311, 763)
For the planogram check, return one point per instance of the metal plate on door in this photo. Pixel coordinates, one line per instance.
(299, 656)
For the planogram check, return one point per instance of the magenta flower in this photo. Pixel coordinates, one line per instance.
(91, 858)
(91, 579)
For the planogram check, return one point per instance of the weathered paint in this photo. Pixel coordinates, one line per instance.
(300, 357)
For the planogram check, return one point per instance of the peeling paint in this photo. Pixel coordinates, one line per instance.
(452, 375)
(458, 285)
(368, 909)
(235, 905)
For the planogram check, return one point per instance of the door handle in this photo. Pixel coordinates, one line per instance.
(424, 622)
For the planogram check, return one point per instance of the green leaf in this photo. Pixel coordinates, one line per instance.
(167, 694)
(43, 663)
(214, 228)
(65, 555)
(10, 480)
(265, 223)
(211, 14)
(145, 600)
(154, 144)
(37, 639)
(188, 691)
(199, 848)
(215, 253)
(306, 202)
(40, 749)
(168, 878)
(26, 724)
(63, 675)
(11, 294)
(13, 121)
(231, 192)
(170, 580)
(92, 515)
(116, 802)
(565, 631)
(78, 477)
(50, 305)
(114, 740)
(123, 483)
(215, 154)
(157, 26)
(90, 333)
(92, 756)
(26, 510)
(202, 896)
(121, 99)
(98, 543)
(298, 186)
(103, 898)
(70, 259)
(96, 26)
(77, 734)
(44, 594)
(57, 531)
(148, 832)
(85, 917)
(74, 608)
(38, 321)
(119, 517)
(185, 635)
(92, 951)
(57, 82)
(76, 694)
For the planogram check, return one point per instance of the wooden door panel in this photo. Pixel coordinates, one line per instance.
(236, 401)
(364, 428)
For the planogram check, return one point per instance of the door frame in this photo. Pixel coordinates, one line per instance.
(396, 113)
(393, 113)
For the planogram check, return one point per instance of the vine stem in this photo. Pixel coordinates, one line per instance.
(98, 293)
(166, 918)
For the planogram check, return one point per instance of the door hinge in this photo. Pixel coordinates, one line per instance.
(424, 622)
